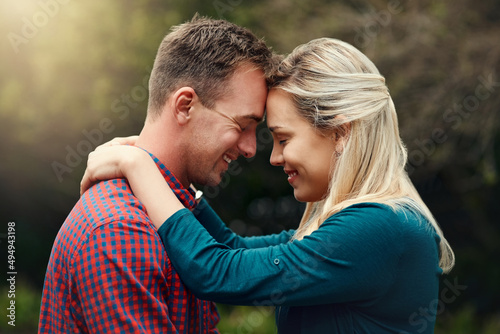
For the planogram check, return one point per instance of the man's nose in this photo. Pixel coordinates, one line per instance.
(248, 144)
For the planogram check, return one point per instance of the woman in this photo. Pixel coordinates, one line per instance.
(367, 255)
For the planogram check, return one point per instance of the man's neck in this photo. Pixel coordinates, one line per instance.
(164, 144)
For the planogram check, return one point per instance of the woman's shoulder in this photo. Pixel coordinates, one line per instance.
(380, 226)
(365, 210)
(381, 211)
(373, 217)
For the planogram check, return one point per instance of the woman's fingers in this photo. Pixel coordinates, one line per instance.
(103, 164)
(109, 162)
(86, 183)
(96, 166)
(131, 140)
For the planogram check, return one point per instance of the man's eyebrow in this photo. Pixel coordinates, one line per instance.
(254, 118)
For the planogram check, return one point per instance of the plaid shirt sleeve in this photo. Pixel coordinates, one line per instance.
(118, 276)
(109, 273)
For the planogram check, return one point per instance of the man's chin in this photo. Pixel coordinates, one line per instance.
(217, 180)
(213, 180)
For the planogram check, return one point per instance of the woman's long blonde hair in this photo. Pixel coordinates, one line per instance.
(336, 87)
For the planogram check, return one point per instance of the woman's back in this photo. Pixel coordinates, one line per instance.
(397, 292)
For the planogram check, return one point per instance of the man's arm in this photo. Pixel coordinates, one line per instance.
(119, 278)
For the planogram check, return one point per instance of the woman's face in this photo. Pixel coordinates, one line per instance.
(305, 153)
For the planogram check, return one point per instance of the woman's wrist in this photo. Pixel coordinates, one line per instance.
(135, 163)
(148, 185)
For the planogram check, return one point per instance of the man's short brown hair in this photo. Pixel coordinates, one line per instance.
(203, 54)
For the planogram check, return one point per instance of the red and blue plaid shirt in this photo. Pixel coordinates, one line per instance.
(109, 273)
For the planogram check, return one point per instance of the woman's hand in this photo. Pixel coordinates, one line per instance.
(130, 140)
(111, 160)
(114, 160)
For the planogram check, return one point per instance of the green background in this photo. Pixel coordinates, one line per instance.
(74, 74)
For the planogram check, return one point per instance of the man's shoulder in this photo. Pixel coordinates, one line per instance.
(106, 212)
(103, 204)
(111, 200)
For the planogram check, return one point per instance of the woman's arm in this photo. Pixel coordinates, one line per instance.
(346, 260)
(147, 183)
(221, 233)
(113, 160)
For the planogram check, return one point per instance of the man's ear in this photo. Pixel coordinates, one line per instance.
(182, 102)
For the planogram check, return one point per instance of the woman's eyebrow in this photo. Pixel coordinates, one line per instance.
(274, 128)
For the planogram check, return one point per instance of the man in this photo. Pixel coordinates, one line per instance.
(108, 271)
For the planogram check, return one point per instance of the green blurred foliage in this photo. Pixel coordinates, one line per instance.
(27, 308)
(74, 74)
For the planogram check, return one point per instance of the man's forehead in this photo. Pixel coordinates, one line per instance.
(256, 118)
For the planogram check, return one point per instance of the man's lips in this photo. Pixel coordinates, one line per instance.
(229, 158)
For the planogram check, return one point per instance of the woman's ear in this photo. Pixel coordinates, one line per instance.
(340, 137)
(342, 132)
(182, 104)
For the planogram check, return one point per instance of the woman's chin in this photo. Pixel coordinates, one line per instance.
(300, 196)
(306, 197)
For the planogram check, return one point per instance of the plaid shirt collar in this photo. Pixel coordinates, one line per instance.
(185, 196)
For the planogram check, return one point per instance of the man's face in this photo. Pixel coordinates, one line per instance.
(221, 134)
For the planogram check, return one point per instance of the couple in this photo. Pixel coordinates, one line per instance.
(140, 254)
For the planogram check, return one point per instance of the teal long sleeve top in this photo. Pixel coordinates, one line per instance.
(367, 269)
